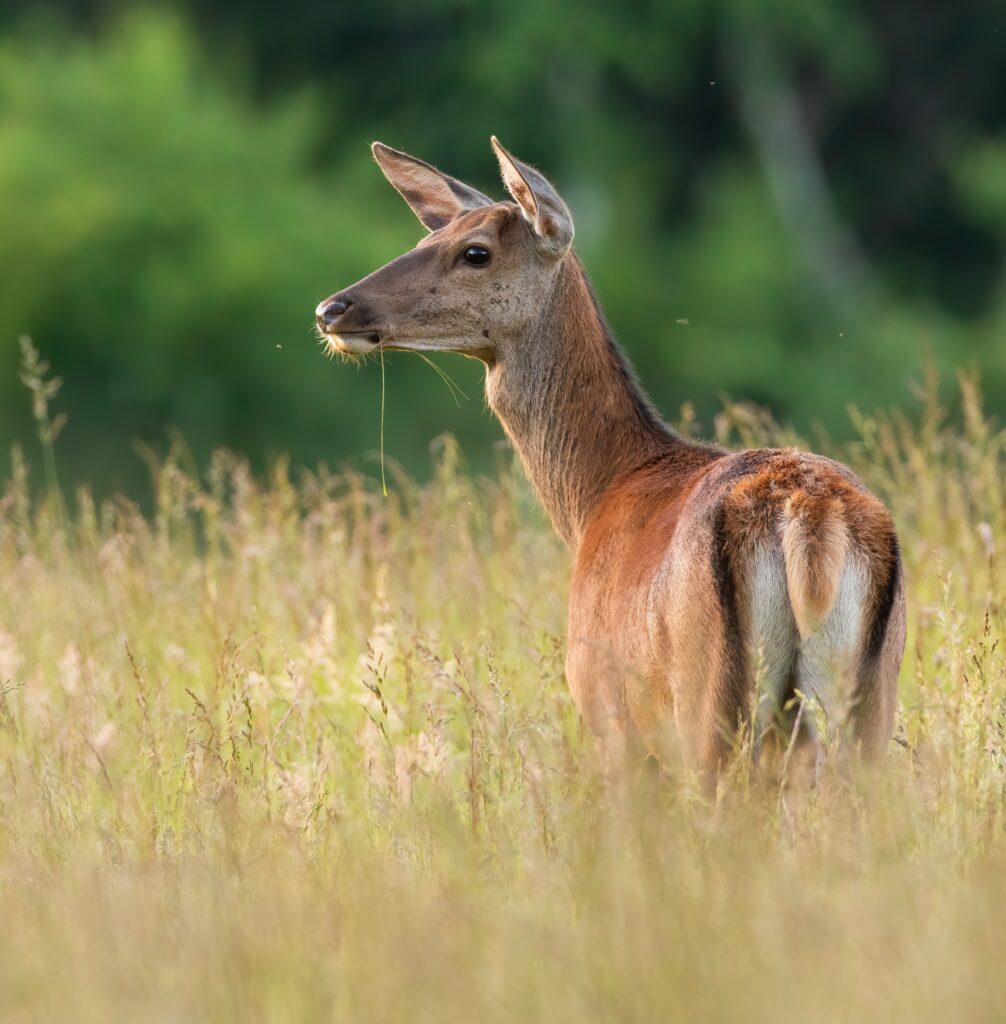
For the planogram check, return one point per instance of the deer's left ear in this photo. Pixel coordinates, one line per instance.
(541, 205)
(436, 198)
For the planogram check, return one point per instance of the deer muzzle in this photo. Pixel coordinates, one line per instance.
(338, 319)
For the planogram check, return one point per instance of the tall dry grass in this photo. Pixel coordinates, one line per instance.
(286, 750)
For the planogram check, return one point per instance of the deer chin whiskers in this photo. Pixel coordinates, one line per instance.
(352, 358)
(332, 350)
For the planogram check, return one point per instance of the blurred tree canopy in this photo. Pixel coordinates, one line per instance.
(793, 203)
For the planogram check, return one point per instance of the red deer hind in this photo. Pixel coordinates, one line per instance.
(711, 589)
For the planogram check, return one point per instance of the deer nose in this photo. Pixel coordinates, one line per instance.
(330, 310)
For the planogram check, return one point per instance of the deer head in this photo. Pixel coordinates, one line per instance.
(478, 280)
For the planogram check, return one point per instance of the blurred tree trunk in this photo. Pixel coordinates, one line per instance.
(770, 112)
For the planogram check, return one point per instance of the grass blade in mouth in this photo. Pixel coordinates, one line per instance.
(384, 483)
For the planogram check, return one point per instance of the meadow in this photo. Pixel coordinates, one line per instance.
(281, 748)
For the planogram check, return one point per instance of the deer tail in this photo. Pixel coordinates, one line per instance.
(815, 543)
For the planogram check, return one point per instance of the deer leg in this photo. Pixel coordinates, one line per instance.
(597, 685)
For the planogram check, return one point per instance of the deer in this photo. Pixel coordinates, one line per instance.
(712, 591)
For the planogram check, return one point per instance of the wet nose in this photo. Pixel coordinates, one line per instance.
(331, 309)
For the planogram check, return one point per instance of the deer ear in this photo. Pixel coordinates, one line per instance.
(541, 205)
(436, 198)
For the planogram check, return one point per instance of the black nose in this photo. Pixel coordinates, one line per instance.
(331, 311)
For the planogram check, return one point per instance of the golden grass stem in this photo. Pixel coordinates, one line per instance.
(384, 482)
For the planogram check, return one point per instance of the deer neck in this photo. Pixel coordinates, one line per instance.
(572, 407)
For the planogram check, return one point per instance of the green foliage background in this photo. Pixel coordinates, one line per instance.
(786, 202)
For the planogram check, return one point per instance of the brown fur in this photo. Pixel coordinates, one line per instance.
(682, 551)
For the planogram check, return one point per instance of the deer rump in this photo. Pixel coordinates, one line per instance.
(781, 585)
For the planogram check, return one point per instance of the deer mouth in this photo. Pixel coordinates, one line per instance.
(352, 342)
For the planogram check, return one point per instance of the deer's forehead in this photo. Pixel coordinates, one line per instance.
(487, 220)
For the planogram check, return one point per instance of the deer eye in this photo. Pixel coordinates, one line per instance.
(476, 255)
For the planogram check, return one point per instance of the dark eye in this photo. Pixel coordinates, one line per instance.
(476, 255)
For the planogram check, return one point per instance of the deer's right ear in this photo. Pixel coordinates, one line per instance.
(436, 198)
(541, 205)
